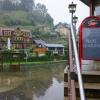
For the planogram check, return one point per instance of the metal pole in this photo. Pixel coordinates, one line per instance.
(82, 95)
(75, 30)
(72, 18)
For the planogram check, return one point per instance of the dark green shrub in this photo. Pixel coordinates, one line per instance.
(48, 53)
(66, 56)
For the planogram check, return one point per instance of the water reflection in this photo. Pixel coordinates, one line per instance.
(54, 92)
(39, 84)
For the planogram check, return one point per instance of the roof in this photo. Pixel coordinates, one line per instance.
(62, 25)
(48, 45)
(87, 2)
(39, 42)
(55, 45)
(14, 29)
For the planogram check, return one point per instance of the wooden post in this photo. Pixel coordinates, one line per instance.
(1, 61)
(92, 7)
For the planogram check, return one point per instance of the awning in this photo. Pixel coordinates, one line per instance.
(85, 2)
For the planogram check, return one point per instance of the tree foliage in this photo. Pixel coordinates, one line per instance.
(27, 5)
(34, 14)
(41, 9)
(10, 5)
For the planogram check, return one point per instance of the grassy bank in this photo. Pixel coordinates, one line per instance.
(25, 66)
(43, 62)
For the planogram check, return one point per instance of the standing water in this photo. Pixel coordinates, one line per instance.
(41, 83)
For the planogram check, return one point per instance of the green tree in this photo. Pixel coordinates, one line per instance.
(27, 5)
(23, 13)
(7, 5)
(49, 20)
(41, 8)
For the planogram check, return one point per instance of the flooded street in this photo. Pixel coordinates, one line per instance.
(40, 83)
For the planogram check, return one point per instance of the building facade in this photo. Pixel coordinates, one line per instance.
(62, 29)
(19, 38)
(42, 47)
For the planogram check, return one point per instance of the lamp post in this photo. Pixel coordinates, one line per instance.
(75, 19)
(71, 81)
(74, 61)
(72, 9)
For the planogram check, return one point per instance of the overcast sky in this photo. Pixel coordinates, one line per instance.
(58, 9)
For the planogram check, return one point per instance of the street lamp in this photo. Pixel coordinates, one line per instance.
(71, 82)
(72, 9)
(75, 19)
(74, 60)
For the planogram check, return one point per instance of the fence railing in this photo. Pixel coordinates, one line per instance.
(75, 61)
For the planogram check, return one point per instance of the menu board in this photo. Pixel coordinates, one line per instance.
(91, 43)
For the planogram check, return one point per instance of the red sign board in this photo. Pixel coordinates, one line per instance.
(89, 39)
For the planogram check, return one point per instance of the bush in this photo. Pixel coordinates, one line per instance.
(48, 53)
(43, 58)
(10, 56)
(66, 56)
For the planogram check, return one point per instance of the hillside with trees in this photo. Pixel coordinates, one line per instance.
(28, 15)
(24, 13)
